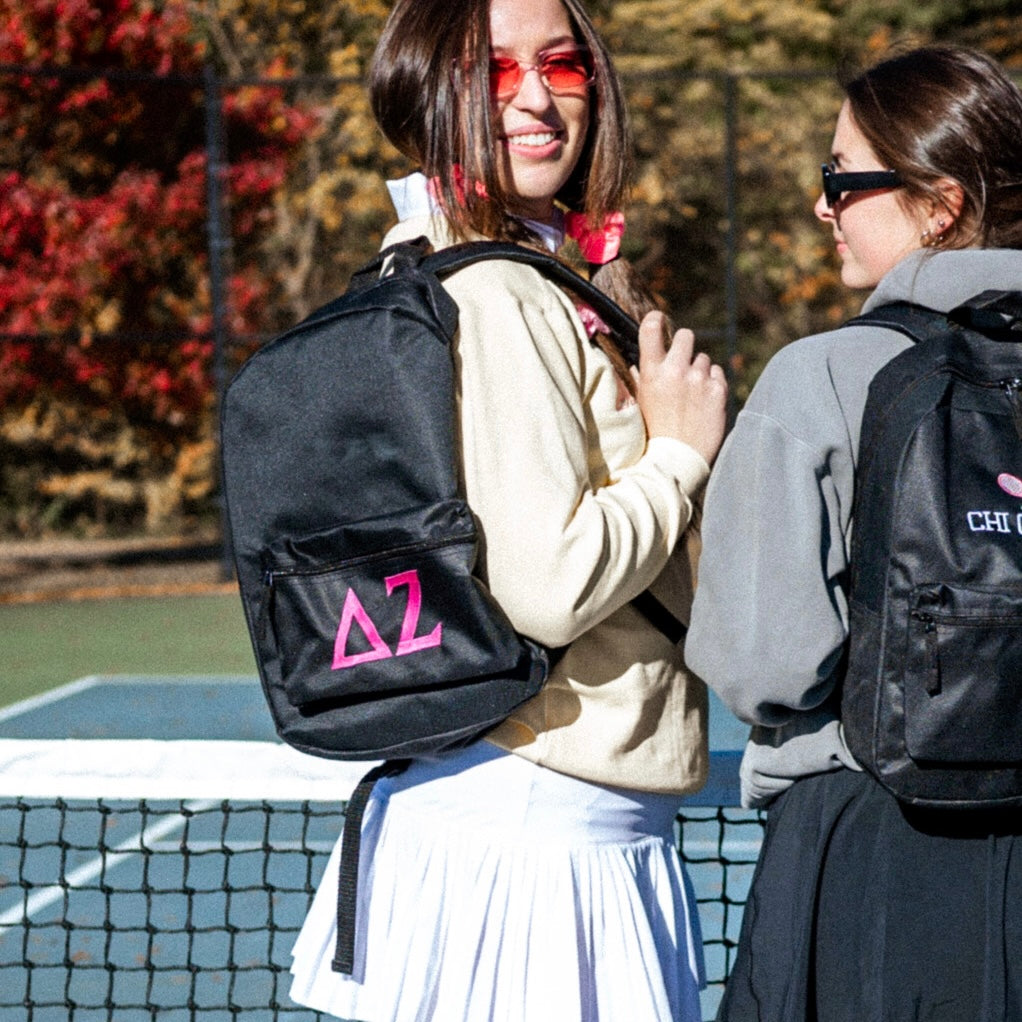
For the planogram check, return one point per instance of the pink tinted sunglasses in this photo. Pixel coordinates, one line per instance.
(563, 72)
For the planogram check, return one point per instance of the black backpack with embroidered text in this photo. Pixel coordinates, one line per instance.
(932, 695)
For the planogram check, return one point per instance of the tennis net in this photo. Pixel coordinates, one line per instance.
(168, 880)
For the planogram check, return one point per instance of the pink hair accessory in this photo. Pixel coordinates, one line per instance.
(591, 320)
(459, 186)
(598, 245)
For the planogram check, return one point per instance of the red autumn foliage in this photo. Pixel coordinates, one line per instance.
(104, 276)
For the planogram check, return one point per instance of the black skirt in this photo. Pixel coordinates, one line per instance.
(863, 911)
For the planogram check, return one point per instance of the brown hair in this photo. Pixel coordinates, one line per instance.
(430, 92)
(948, 112)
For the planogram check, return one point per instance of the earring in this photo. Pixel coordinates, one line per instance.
(931, 239)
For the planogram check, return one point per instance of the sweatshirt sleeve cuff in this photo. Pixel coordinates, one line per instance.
(680, 460)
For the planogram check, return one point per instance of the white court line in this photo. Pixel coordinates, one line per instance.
(52, 696)
(72, 688)
(79, 877)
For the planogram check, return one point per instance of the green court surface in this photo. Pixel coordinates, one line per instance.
(49, 644)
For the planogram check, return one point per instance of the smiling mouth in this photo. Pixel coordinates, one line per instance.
(533, 138)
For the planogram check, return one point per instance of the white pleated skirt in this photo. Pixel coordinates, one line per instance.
(494, 890)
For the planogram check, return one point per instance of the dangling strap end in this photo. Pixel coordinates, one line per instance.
(347, 883)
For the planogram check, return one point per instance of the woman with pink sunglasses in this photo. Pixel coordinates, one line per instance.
(533, 876)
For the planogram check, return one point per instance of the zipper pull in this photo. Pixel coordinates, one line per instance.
(933, 655)
(1011, 390)
(265, 600)
(932, 651)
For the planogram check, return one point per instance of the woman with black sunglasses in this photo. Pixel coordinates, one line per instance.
(532, 876)
(859, 911)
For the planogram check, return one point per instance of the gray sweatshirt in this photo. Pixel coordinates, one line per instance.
(770, 616)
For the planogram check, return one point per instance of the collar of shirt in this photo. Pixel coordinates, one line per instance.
(412, 198)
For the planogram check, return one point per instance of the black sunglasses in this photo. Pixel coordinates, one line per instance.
(835, 185)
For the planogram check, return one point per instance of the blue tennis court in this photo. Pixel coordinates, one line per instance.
(159, 846)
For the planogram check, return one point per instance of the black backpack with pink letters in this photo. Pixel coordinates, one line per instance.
(354, 548)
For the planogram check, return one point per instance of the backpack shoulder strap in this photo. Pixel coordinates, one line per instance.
(626, 330)
(923, 326)
(917, 322)
(626, 334)
(995, 314)
(404, 255)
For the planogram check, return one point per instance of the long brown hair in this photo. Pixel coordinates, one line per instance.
(430, 92)
(948, 112)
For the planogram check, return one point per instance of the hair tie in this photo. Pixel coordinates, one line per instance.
(598, 245)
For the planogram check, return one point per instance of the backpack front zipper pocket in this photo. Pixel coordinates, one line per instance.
(963, 680)
(388, 604)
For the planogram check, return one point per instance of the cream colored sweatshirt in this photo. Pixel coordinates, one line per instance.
(578, 513)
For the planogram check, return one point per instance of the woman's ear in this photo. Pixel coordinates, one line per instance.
(952, 198)
(941, 213)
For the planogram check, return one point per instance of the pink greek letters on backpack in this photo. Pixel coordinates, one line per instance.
(408, 641)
